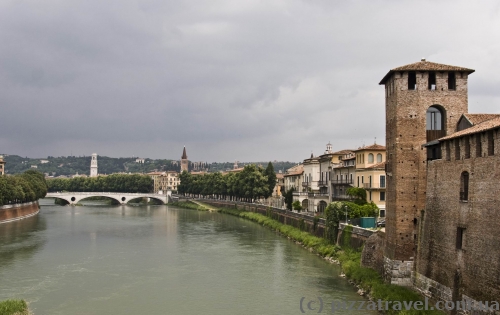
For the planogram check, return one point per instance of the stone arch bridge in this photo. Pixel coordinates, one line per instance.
(74, 197)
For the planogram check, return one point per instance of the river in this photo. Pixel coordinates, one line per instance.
(96, 259)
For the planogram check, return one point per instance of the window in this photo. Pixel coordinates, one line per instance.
(370, 195)
(457, 149)
(382, 197)
(432, 80)
(382, 181)
(467, 148)
(460, 237)
(379, 158)
(479, 148)
(412, 80)
(362, 179)
(464, 186)
(448, 151)
(370, 158)
(434, 119)
(491, 143)
(382, 213)
(452, 82)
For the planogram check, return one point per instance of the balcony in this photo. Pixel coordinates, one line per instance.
(323, 183)
(435, 134)
(306, 184)
(342, 181)
(296, 193)
(317, 194)
(373, 186)
(341, 197)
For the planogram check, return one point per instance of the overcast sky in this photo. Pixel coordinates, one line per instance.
(232, 80)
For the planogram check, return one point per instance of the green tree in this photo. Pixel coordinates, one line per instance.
(296, 205)
(271, 179)
(358, 194)
(289, 198)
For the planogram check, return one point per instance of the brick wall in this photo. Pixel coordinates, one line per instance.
(474, 270)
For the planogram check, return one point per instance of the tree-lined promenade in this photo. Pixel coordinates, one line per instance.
(26, 187)
(112, 183)
(251, 183)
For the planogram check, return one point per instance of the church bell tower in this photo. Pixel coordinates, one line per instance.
(184, 161)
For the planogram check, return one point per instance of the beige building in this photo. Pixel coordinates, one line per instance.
(343, 174)
(2, 166)
(164, 181)
(370, 174)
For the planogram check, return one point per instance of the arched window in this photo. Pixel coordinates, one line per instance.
(464, 186)
(322, 206)
(435, 123)
(434, 119)
(379, 158)
(370, 158)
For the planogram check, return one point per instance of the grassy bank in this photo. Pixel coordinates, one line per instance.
(14, 307)
(366, 278)
(189, 205)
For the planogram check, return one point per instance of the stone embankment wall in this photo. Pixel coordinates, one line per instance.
(283, 216)
(18, 211)
(353, 236)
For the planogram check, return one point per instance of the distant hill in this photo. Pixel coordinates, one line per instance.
(71, 165)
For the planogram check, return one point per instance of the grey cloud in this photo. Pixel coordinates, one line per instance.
(241, 80)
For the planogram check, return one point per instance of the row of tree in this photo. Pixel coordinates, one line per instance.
(112, 183)
(251, 183)
(26, 187)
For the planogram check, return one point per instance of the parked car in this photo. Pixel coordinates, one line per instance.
(381, 223)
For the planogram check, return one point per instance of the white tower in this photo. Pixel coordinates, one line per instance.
(328, 148)
(93, 165)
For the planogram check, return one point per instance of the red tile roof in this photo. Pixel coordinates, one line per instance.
(479, 118)
(425, 66)
(376, 147)
(380, 165)
(484, 126)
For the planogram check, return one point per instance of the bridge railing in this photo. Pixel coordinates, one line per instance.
(105, 193)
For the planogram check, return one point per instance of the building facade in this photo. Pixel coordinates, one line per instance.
(164, 181)
(443, 213)
(424, 101)
(2, 165)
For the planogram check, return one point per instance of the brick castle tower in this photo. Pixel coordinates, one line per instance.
(424, 101)
(184, 161)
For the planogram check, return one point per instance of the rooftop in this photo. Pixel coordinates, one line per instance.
(483, 126)
(424, 65)
(475, 119)
(376, 147)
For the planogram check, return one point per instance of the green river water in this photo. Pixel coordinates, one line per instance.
(96, 259)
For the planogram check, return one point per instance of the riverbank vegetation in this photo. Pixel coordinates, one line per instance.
(247, 185)
(189, 205)
(113, 183)
(367, 279)
(14, 307)
(26, 187)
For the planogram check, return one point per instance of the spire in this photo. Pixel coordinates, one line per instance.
(184, 155)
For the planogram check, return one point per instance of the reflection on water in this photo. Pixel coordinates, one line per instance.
(157, 260)
(19, 240)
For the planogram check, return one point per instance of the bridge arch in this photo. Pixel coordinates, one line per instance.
(122, 198)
